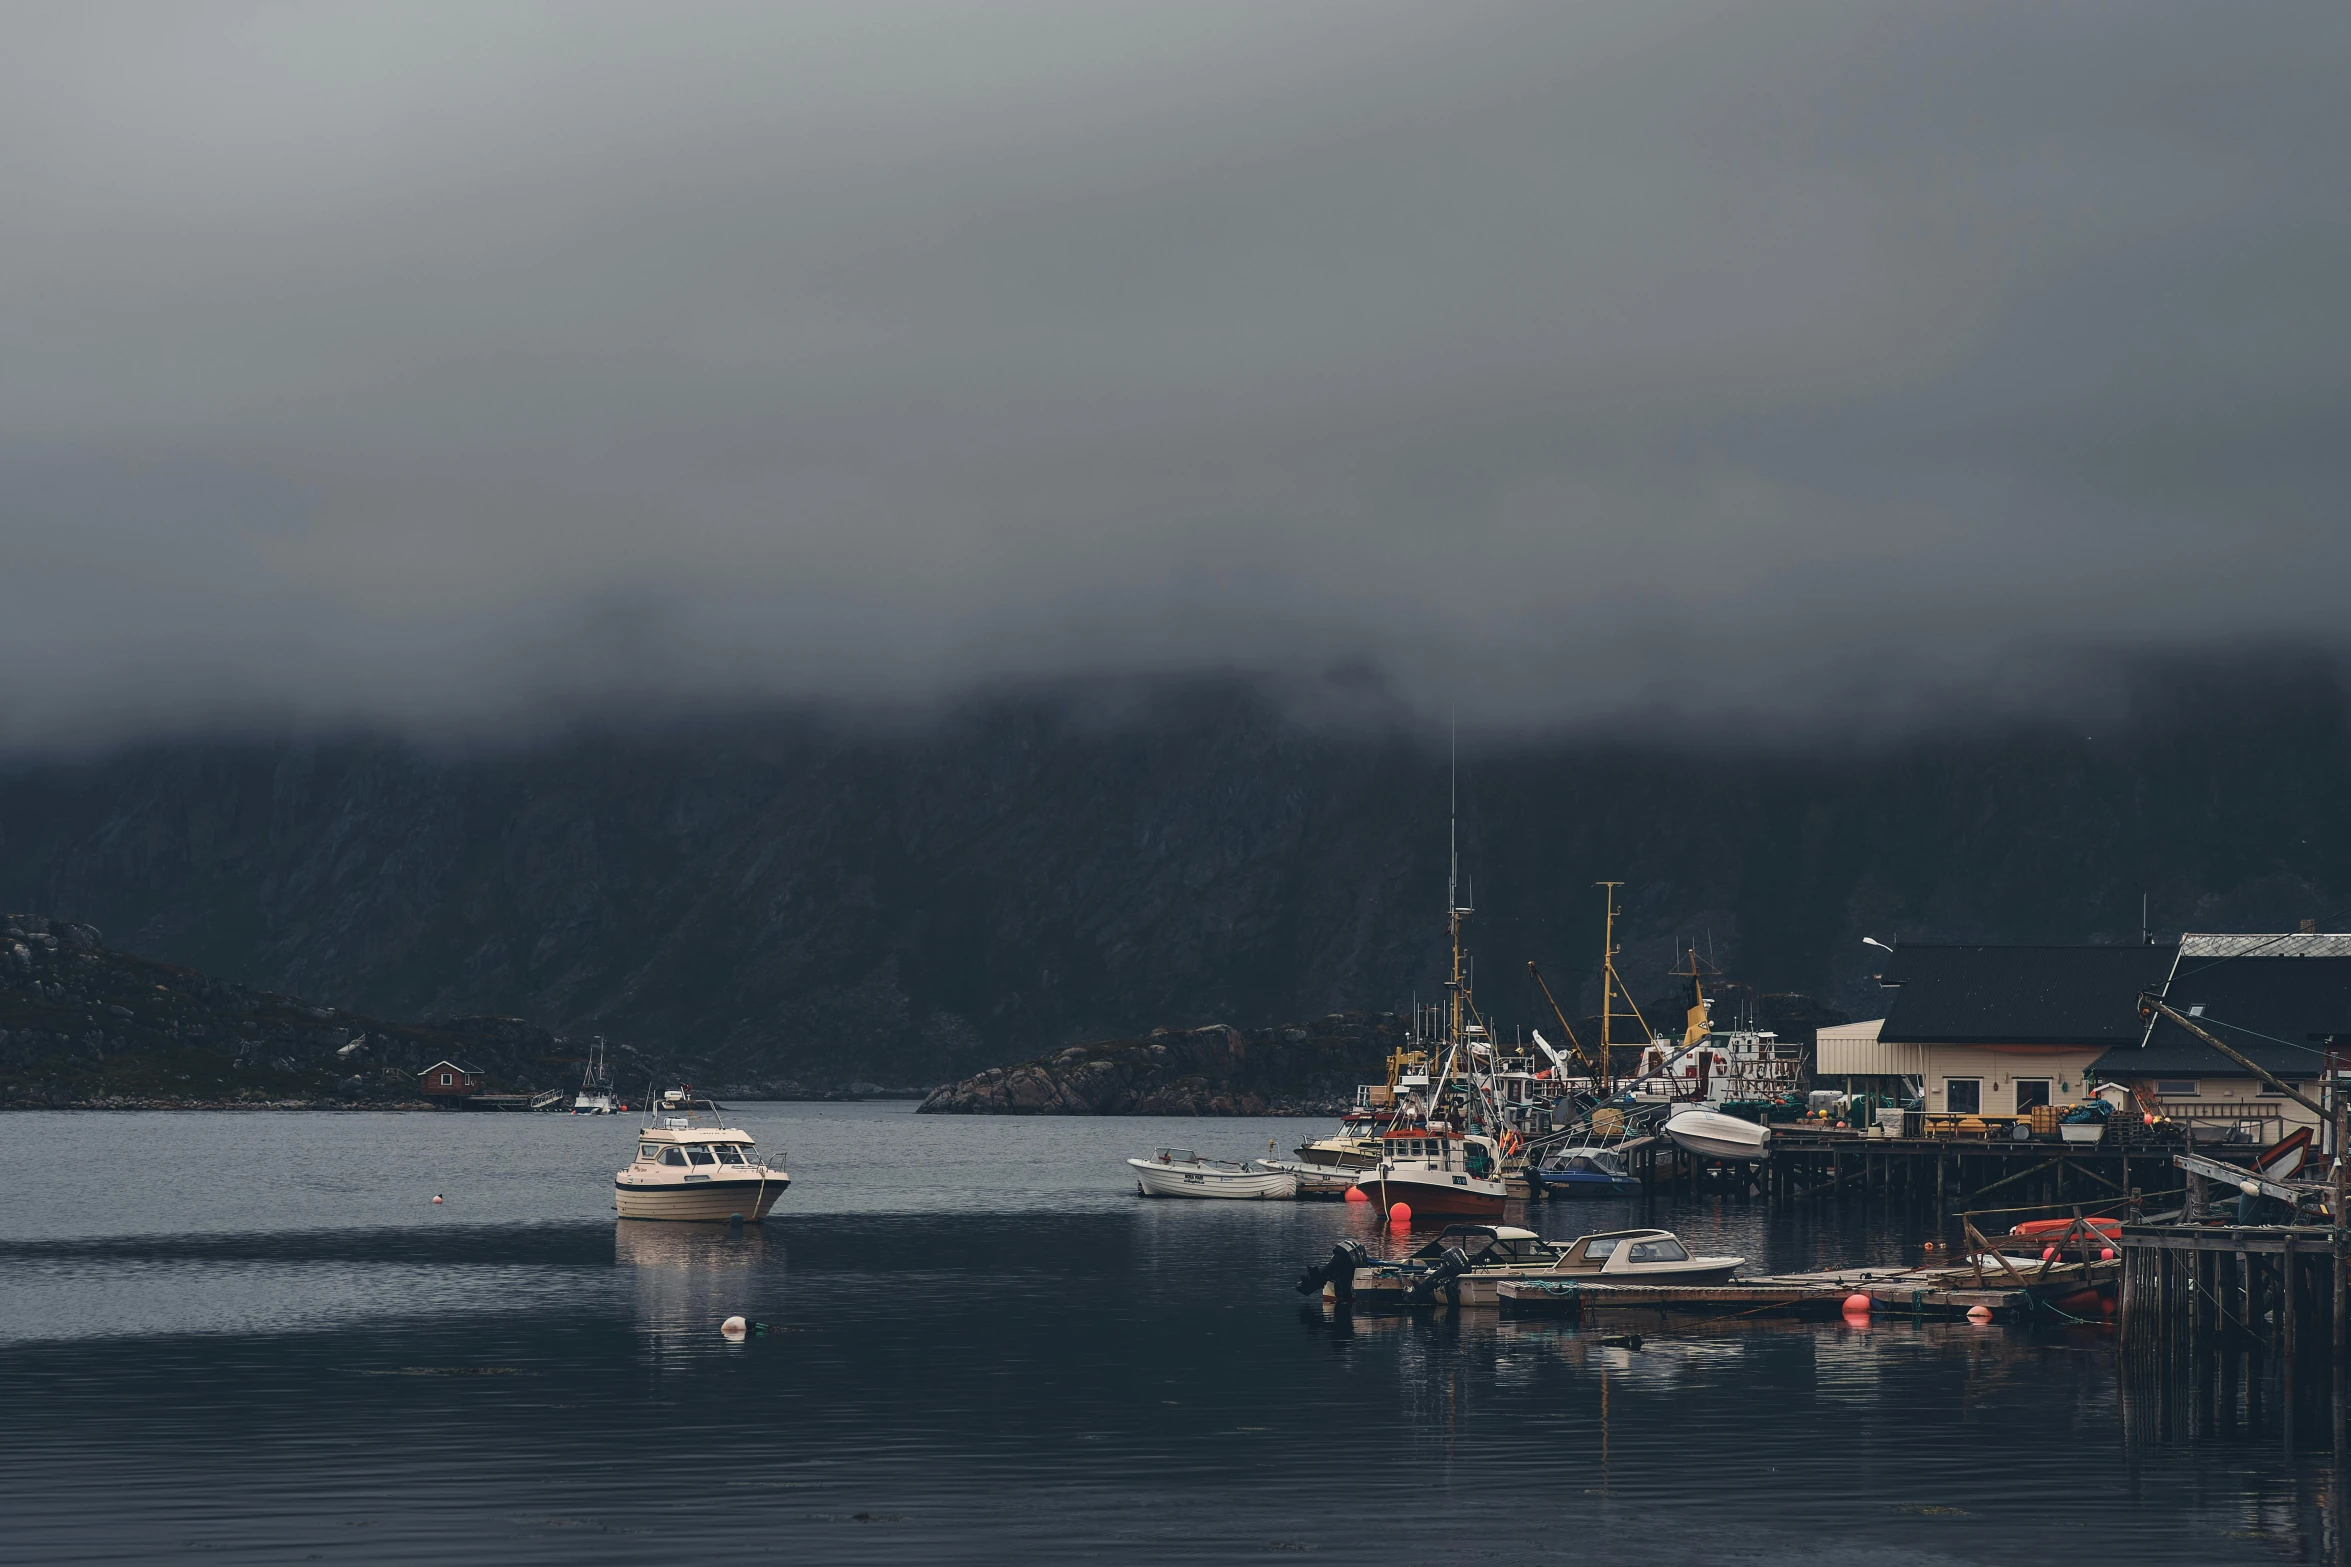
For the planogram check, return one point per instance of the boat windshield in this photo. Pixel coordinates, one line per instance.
(1602, 1248)
(727, 1153)
(1662, 1249)
(696, 1153)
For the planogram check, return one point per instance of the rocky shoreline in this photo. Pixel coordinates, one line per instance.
(1308, 1069)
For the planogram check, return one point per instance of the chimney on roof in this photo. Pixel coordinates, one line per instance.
(2310, 927)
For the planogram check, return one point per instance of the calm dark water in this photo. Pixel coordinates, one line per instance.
(255, 1336)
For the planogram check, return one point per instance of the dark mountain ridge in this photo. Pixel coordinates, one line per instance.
(795, 896)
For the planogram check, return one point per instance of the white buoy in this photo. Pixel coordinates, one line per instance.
(436, 1196)
(734, 1327)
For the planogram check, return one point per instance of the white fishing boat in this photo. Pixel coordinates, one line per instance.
(1179, 1172)
(595, 1096)
(690, 1165)
(1713, 1136)
(1434, 1170)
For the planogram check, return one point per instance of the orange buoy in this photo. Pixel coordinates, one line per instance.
(1858, 1304)
(2048, 1252)
(1400, 1215)
(2105, 1254)
(1979, 1313)
(1357, 1194)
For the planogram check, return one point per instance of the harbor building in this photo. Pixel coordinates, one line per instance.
(447, 1083)
(1995, 1031)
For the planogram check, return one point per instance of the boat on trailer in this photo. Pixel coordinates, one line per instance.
(1179, 1172)
(692, 1166)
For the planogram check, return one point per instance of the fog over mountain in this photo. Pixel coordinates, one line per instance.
(452, 369)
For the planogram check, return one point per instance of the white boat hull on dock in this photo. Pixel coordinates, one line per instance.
(1712, 1136)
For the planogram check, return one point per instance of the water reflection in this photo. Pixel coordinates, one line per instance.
(685, 1279)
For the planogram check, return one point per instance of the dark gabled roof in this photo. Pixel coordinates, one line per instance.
(2265, 1007)
(2019, 995)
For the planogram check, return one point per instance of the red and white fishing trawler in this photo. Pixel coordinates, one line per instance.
(1437, 1171)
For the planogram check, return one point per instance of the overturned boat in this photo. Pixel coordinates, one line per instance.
(1714, 1136)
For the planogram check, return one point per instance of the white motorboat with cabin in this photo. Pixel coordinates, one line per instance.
(1465, 1263)
(690, 1165)
(1179, 1172)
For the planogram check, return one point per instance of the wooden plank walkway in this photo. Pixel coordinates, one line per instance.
(1941, 1292)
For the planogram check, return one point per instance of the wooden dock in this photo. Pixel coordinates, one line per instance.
(1941, 1293)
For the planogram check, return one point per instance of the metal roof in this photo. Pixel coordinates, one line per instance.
(2305, 944)
(2263, 1004)
(1983, 995)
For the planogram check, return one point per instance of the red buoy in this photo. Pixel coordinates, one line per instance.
(1400, 1215)
(1858, 1304)
(1979, 1313)
(1357, 1194)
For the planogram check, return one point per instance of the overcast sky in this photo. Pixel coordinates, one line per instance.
(454, 364)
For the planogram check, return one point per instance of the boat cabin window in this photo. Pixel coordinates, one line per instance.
(648, 1150)
(1662, 1249)
(727, 1153)
(673, 1156)
(1601, 1249)
(697, 1154)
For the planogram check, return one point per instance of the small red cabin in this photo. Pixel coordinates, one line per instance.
(448, 1083)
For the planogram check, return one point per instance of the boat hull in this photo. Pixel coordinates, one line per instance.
(1576, 1183)
(1435, 1194)
(702, 1201)
(1712, 1136)
(1315, 1180)
(1153, 1179)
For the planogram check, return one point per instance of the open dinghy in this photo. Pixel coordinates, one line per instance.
(1179, 1172)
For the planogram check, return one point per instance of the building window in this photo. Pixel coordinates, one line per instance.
(2175, 1088)
(2269, 1091)
(444, 1080)
(1963, 1095)
(2031, 1091)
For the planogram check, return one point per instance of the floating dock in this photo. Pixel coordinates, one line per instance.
(1941, 1293)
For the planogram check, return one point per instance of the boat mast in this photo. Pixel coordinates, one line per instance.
(1453, 916)
(1608, 970)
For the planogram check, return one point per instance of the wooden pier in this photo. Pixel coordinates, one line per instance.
(1944, 1175)
(1941, 1294)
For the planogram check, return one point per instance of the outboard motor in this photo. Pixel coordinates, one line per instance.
(1449, 1267)
(1339, 1272)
